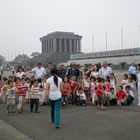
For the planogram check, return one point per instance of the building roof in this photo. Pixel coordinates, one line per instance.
(61, 35)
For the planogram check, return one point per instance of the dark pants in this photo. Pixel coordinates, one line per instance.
(129, 100)
(113, 101)
(55, 111)
(64, 99)
(80, 101)
(73, 98)
(34, 102)
(100, 100)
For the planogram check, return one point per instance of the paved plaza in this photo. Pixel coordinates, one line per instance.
(77, 123)
(83, 123)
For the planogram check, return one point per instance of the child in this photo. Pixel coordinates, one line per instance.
(34, 96)
(112, 97)
(121, 96)
(73, 88)
(10, 96)
(130, 96)
(28, 92)
(86, 87)
(131, 83)
(65, 90)
(92, 89)
(81, 97)
(124, 82)
(4, 89)
(23, 88)
(100, 93)
(113, 82)
(41, 95)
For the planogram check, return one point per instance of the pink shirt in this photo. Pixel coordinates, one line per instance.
(107, 86)
(92, 86)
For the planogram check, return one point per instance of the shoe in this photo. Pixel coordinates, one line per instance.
(37, 112)
(57, 127)
(102, 107)
(138, 104)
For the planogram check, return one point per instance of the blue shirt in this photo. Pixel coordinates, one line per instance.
(132, 70)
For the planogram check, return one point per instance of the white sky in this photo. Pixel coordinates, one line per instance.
(23, 22)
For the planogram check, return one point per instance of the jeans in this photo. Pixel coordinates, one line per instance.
(55, 111)
(34, 102)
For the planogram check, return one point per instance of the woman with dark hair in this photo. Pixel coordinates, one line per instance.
(20, 72)
(54, 88)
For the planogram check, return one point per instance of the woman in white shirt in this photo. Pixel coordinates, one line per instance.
(54, 87)
(93, 71)
(20, 72)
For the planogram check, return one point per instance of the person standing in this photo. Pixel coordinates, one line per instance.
(132, 71)
(54, 88)
(73, 71)
(20, 72)
(39, 72)
(105, 70)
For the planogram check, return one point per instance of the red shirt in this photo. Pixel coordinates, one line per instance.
(22, 89)
(120, 95)
(73, 85)
(66, 89)
(99, 87)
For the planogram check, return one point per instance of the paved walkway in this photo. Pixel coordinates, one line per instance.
(7, 132)
(83, 123)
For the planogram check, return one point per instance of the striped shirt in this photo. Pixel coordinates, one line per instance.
(22, 89)
(35, 92)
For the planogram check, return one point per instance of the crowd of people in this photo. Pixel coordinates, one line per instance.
(77, 85)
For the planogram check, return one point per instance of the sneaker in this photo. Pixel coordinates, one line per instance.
(102, 107)
(138, 104)
(57, 127)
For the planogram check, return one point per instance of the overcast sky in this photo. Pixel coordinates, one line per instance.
(23, 22)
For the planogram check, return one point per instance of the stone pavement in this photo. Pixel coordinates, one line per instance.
(7, 132)
(77, 123)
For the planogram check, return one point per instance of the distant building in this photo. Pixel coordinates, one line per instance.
(57, 46)
(115, 57)
(2, 60)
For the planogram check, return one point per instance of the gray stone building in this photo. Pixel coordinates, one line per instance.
(61, 42)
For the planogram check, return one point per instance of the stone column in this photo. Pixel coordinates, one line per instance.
(60, 47)
(79, 45)
(54, 45)
(43, 47)
(65, 45)
(75, 46)
(70, 45)
(47, 46)
(51, 45)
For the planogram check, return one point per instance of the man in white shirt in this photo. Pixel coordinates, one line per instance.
(105, 70)
(39, 71)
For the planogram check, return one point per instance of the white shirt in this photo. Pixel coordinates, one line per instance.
(39, 72)
(20, 74)
(131, 93)
(94, 74)
(104, 72)
(54, 93)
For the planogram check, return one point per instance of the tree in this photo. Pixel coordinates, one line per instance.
(34, 54)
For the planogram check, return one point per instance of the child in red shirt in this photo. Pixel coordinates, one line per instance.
(65, 90)
(73, 88)
(100, 93)
(121, 96)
